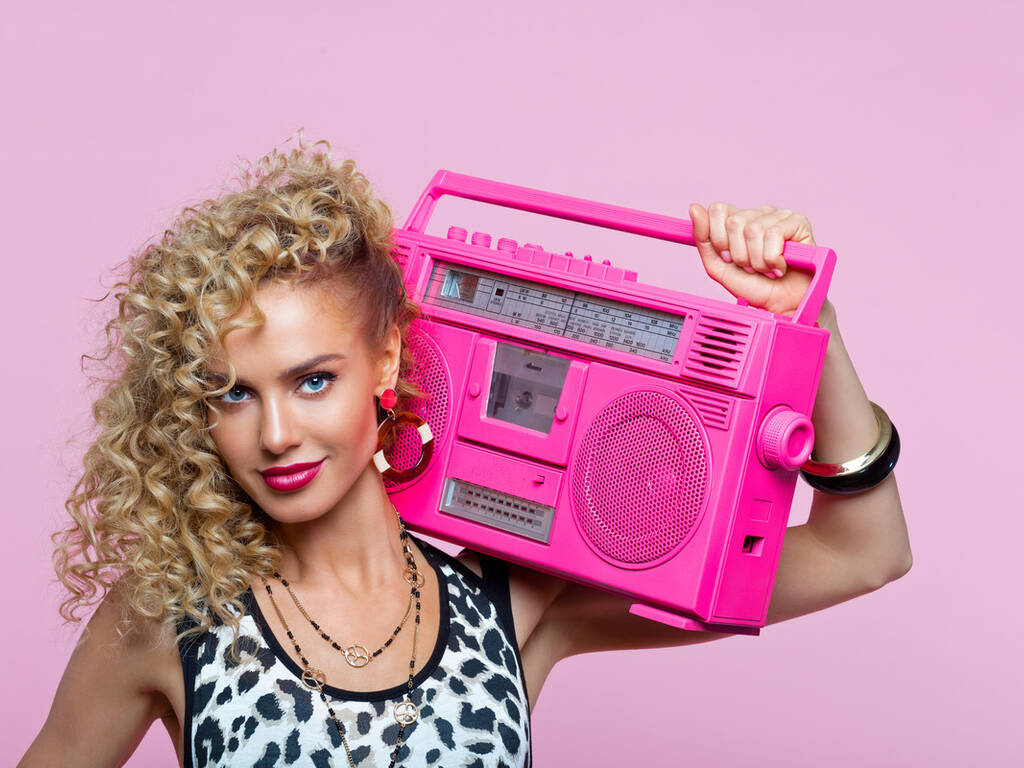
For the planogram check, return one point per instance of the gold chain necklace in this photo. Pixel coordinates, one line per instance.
(356, 654)
(405, 712)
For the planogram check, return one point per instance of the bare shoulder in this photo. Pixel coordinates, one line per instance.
(144, 646)
(122, 675)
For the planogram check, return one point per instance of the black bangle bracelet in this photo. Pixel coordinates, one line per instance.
(863, 480)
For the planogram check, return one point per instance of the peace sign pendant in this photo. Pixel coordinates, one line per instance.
(313, 678)
(357, 656)
(406, 713)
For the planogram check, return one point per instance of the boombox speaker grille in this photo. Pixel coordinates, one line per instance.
(640, 478)
(431, 375)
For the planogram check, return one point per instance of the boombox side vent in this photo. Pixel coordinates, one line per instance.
(718, 350)
(715, 412)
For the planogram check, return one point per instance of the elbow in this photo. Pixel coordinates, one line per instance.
(905, 566)
(902, 570)
(891, 574)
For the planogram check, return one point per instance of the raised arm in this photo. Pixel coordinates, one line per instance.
(861, 538)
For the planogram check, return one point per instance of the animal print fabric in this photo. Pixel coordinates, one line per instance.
(473, 706)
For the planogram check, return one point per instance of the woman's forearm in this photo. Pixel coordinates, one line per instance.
(867, 526)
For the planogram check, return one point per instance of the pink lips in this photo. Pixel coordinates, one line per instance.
(291, 477)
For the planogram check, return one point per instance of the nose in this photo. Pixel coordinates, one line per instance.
(279, 429)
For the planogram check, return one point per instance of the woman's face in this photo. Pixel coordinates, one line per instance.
(304, 396)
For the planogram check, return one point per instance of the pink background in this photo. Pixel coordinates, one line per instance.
(894, 126)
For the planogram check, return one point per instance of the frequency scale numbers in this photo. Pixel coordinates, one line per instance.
(570, 314)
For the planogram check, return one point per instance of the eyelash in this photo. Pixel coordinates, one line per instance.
(328, 378)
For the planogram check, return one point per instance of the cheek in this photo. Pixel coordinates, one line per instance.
(227, 444)
(353, 425)
(234, 438)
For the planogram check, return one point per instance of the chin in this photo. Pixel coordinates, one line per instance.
(295, 507)
(290, 514)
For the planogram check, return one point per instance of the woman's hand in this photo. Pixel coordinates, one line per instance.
(742, 250)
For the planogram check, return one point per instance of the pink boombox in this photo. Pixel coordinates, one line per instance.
(632, 438)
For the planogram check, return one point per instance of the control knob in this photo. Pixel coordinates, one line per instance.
(785, 439)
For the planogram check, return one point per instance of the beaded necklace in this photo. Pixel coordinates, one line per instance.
(405, 712)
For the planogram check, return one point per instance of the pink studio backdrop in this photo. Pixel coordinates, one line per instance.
(893, 126)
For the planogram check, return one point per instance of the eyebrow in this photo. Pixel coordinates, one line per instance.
(295, 370)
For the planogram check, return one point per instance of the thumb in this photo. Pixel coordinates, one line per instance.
(702, 237)
(701, 224)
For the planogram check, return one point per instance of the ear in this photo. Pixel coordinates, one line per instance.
(391, 358)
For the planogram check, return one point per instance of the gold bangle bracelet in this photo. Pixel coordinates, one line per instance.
(853, 466)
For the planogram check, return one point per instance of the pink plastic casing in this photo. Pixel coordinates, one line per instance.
(664, 478)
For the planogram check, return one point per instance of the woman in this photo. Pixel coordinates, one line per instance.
(258, 592)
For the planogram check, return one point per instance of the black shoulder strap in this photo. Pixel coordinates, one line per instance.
(188, 648)
(495, 586)
(493, 581)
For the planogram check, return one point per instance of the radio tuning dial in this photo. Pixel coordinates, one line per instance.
(785, 439)
(457, 233)
(482, 239)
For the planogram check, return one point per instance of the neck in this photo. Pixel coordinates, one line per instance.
(355, 546)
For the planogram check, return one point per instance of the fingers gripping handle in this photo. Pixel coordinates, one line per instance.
(820, 261)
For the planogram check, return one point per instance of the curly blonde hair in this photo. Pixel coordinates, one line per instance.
(155, 513)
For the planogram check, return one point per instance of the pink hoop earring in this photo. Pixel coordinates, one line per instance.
(388, 400)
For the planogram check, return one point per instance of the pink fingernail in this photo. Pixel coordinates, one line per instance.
(777, 273)
(749, 269)
(727, 256)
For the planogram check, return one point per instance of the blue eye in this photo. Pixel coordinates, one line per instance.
(317, 382)
(231, 394)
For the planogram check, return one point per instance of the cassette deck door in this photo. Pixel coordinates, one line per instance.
(523, 399)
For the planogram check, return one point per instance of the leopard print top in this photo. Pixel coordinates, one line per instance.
(471, 694)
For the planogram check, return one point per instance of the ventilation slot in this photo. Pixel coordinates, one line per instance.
(718, 350)
(715, 412)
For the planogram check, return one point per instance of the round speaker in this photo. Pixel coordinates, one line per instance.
(430, 373)
(640, 479)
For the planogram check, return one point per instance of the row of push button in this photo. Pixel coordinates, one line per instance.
(535, 254)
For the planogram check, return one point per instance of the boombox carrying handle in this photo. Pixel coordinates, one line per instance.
(821, 261)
